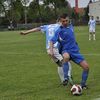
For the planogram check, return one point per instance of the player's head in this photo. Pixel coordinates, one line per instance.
(64, 19)
(92, 17)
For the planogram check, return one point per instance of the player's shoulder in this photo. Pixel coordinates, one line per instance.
(64, 28)
(58, 29)
(43, 26)
(53, 25)
(69, 30)
(94, 20)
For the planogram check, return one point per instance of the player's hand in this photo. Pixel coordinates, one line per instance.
(51, 53)
(22, 33)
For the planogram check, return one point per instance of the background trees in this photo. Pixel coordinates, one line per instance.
(24, 11)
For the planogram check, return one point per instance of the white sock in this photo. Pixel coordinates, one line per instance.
(89, 36)
(70, 70)
(60, 73)
(94, 37)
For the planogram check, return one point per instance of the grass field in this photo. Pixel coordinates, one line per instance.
(27, 73)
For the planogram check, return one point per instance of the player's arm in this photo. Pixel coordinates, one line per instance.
(89, 23)
(95, 22)
(30, 31)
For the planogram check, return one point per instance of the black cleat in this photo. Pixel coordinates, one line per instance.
(65, 82)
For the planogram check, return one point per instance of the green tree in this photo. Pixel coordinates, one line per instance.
(18, 10)
(35, 10)
(12, 9)
(4, 9)
(25, 4)
(58, 6)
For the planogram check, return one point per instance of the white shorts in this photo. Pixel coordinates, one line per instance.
(56, 54)
(92, 30)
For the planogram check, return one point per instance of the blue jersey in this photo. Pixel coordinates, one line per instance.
(66, 38)
(49, 30)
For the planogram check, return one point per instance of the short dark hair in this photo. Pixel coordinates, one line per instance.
(64, 15)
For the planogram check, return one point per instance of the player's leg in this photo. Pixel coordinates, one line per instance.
(66, 67)
(94, 34)
(79, 59)
(60, 73)
(66, 58)
(70, 74)
(90, 33)
(85, 72)
(59, 63)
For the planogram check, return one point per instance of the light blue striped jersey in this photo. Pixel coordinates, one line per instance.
(49, 30)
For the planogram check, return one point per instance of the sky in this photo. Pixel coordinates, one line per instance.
(81, 3)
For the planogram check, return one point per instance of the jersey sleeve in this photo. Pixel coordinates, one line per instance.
(43, 28)
(95, 22)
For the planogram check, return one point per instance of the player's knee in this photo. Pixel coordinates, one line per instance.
(66, 57)
(90, 33)
(93, 32)
(59, 63)
(84, 65)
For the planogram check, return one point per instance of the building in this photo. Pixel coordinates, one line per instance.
(94, 10)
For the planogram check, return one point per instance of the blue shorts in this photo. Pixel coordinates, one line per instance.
(75, 56)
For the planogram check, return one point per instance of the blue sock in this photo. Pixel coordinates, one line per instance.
(84, 77)
(65, 70)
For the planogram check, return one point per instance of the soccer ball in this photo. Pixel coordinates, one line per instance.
(76, 90)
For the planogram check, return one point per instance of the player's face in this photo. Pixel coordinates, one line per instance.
(64, 21)
(92, 17)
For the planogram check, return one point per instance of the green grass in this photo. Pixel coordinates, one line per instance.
(27, 73)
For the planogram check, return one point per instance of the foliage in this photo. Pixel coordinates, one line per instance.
(21, 11)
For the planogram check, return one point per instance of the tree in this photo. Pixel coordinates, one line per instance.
(36, 8)
(25, 3)
(58, 6)
(17, 11)
(3, 8)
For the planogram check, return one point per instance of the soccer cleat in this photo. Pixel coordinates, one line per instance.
(85, 87)
(65, 82)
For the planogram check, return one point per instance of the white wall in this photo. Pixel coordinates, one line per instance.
(94, 9)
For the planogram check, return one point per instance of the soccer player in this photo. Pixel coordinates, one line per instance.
(49, 30)
(92, 25)
(69, 48)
